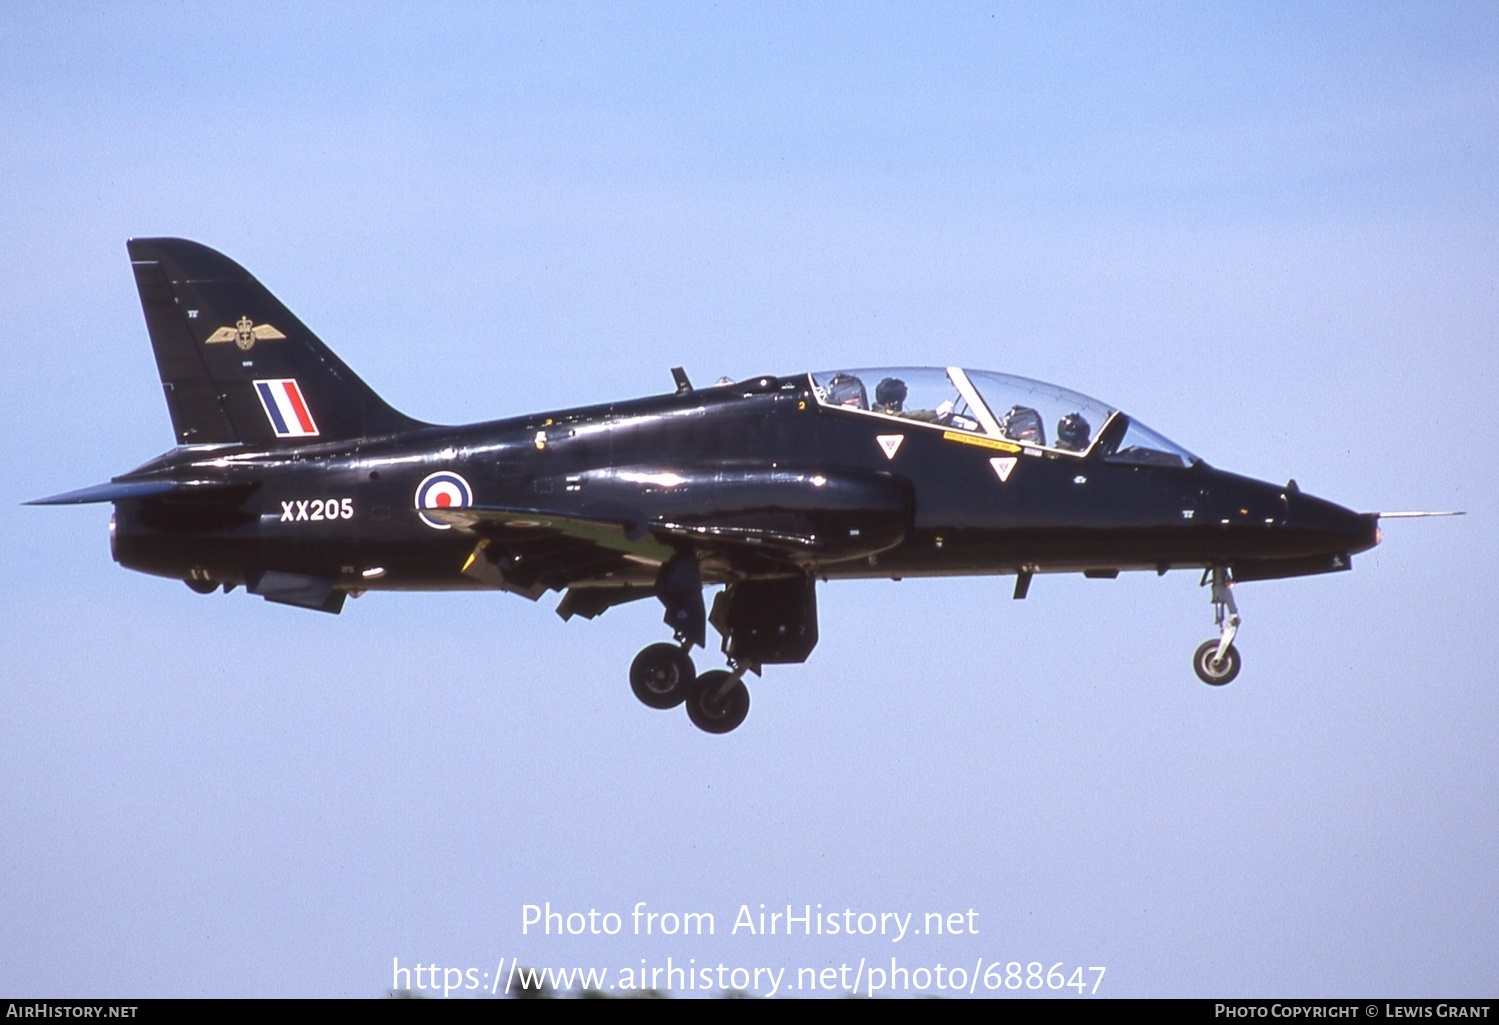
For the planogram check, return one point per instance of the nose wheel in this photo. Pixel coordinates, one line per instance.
(1217, 662)
(1215, 669)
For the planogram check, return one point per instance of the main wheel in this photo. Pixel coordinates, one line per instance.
(717, 714)
(1214, 672)
(661, 675)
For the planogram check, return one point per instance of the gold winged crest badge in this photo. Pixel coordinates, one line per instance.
(245, 333)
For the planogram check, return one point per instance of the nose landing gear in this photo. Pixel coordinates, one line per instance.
(1217, 662)
(1213, 669)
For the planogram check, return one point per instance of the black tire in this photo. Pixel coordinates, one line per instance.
(720, 715)
(661, 675)
(1216, 674)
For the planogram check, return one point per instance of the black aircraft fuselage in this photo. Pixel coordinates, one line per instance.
(293, 479)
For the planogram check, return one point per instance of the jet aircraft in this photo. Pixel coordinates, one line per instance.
(293, 479)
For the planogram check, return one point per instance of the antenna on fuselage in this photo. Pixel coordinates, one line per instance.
(680, 376)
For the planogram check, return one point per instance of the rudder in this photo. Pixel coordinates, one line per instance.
(238, 366)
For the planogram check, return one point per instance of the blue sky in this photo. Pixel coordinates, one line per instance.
(1267, 230)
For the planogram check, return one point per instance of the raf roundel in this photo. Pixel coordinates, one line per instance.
(442, 490)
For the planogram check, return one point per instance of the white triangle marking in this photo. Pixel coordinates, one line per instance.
(890, 443)
(1003, 466)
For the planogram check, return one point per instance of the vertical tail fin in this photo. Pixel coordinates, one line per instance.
(237, 365)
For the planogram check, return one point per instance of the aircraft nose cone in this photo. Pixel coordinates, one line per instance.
(1335, 528)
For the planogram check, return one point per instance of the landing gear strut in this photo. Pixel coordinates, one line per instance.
(1217, 662)
(718, 701)
(771, 621)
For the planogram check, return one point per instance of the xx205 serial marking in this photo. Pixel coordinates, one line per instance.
(317, 510)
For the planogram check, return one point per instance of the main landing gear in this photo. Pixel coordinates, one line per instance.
(763, 622)
(1217, 662)
(718, 701)
(662, 676)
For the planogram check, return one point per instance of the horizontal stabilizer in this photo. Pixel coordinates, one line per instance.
(120, 491)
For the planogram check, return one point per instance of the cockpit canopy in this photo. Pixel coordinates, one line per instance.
(1000, 406)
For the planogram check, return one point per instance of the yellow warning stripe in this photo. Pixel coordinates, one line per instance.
(980, 441)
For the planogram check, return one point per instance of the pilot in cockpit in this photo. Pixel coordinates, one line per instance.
(890, 396)
(1073, 433)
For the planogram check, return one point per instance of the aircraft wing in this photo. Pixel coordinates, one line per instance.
(529, 551)
(646, 540)
(625, 524)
